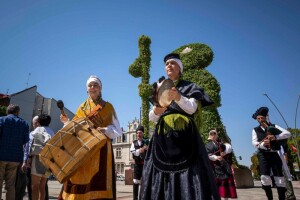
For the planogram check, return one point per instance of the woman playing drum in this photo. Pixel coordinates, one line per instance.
(96, 178)
(176, 165)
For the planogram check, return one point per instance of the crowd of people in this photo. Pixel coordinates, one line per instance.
(175, 164)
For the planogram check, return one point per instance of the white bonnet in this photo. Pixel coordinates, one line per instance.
(94, 78)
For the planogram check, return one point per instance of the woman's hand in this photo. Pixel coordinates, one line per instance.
(219, 158)
(158, 110)
(64, 118)
(174, 94)
(101, 129)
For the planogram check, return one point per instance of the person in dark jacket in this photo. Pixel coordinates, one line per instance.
(14, 134)
(138, 150)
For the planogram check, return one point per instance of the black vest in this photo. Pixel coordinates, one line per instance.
(261, 134)
(138, 159)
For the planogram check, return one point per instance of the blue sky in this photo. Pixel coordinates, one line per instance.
(256, 47)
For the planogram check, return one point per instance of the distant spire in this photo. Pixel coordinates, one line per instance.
(28, 80)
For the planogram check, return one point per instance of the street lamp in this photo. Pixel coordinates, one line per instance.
(277, 109)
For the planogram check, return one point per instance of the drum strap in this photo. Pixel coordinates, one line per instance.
(96, 109)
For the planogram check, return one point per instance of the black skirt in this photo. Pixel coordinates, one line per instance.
(177, 166)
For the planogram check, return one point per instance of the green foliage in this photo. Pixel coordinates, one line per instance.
(145, 90)
(140, 68)
(292, 157)
(135, 69)
(200, 57)
(255, 166)
(195, 58)
(2, 110)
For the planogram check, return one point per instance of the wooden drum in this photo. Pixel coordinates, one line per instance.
(71, 147)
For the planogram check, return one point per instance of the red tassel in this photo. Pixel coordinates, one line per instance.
(293, 148)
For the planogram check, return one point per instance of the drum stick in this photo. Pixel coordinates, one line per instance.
(60, 105)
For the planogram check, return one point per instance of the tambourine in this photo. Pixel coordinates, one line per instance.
(162, 93)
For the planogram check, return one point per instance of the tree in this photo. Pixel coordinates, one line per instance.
(255, 166)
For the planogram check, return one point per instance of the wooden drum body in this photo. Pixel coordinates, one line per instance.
(71, 147)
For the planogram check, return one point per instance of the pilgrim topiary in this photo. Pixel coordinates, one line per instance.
(195, 58)
(140, 68)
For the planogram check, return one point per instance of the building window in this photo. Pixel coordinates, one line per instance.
(133, 137)
(120, 168)
(118, 153)
(119, 139)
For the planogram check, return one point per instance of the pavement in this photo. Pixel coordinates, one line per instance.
(124, 192)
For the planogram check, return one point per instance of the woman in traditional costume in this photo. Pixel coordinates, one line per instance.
(220, 155)
(177, 165)
(96, 178)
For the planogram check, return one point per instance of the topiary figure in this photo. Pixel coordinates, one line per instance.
(195, 58)
(140, 68)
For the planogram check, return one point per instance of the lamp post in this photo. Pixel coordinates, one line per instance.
(277, 109)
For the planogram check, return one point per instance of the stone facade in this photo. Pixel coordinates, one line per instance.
(121, 147)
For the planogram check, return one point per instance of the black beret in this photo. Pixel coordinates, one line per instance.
(171, 55)
(140, 128)
(263, 111)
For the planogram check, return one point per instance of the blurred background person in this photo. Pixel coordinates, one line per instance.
(14, 134)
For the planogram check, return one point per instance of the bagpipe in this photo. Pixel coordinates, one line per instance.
(222, 168)
(271, 143)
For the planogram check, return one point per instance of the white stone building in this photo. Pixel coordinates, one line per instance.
(121, 147)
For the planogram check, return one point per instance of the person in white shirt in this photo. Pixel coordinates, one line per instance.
(138, 149)
(176, 164)
(266, 137)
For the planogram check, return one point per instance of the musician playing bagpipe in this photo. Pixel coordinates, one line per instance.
(220, 155)
(266, 138)
(138, 149)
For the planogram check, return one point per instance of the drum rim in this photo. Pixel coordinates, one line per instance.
(159, 92)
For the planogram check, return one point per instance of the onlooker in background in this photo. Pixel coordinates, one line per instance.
(20, 183)
(39, 173)
(27, 158)
(14, 133)
(138, 150)
(220, 155)
(265, 138)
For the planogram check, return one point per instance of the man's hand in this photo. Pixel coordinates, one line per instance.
(267, 143)
(24, 166)
(143, 149)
